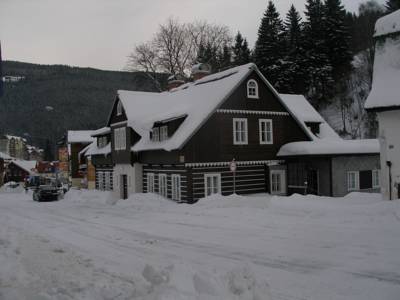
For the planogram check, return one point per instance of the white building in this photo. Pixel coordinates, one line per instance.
(385, 100)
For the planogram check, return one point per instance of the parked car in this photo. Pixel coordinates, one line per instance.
(49, 192)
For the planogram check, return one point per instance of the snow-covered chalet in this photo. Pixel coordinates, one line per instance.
(384, 99)
(181, 143)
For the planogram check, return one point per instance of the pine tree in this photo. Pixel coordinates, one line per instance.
(292, 73)
(337, 39)
(392, 5)
(268, 51)
(241, 51)
(319, 70)
(224, 58)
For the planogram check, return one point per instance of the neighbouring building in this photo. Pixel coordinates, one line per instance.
(13, 146)
(181, 143)
(384, 99)
(34, 153)
(18, 170)
(3, 158)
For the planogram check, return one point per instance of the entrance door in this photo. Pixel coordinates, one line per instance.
(212, 184)
(124, 186)
(278, 182)
(312, 182)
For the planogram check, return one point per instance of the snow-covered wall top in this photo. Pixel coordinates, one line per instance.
(388, 24)
(385, 90)
(80, 136)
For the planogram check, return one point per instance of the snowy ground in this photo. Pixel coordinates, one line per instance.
(262, 247)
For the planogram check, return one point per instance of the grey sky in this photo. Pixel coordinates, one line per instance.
(101, 33)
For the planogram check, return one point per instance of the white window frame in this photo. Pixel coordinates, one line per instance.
(150, 183)
(282, 176)
(119, 108)
(156, 134)
(376, 179)
(176, 187)
(356, 186)
(264, 133)
(163, 133)
(163, 188)
(206, 188)
(244, 130)
(252, 91)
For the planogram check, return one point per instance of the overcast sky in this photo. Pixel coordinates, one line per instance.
(101, 33)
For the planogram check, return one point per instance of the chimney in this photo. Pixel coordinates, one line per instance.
(200, 70)
(175, 81)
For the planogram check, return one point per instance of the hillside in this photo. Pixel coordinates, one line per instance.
(80, 98)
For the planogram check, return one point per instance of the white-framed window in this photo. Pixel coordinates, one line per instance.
(240, 131)
(252, 89)
(119, 108)
(100, 181)
(376, 179)
(150, 182)
(163, 133)
(162, 185)
(278, 182)
(176, 187)
(156, 134)
(107, 184)
(120, 138)
(353, 180)
(212, 184)
(266, 131)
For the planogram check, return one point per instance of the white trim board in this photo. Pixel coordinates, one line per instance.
(253, 112)
(239, 163)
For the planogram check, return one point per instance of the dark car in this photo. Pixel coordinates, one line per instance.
(47, 193)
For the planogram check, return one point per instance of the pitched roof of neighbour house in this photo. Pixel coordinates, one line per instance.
(101, 131)
(27, 165)
(93, 149)
(5, 156)
(79, 136)
(9, 137)
(327, 142)
(386, 77)
(195, 101)
(388, 24)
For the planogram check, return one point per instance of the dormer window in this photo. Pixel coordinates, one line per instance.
(163, 133)
(119, 108)
(159, 134)
(252, 89)
(156, 134)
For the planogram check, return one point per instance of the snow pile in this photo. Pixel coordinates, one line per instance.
(388, 24)
(385, 84)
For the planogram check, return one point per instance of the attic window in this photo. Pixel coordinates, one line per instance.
(252, 89)
(119, 108)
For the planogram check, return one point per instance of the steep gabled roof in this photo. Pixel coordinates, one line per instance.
(196, 101)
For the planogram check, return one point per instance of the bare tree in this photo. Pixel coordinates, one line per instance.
(174, 48)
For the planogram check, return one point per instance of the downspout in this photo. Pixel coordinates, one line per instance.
(389, 164)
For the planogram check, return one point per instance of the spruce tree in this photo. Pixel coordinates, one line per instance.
(268, 50)
(319, 70)
(337, 39)
(224, 58)
(392, 5)
(241, 51)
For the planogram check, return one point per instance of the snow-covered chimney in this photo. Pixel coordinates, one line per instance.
(175, 81)
(200, 70)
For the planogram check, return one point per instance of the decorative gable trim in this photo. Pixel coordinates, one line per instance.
(253, 112)
(239, 163)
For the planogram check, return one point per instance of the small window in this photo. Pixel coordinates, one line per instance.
(240, 132)
(119, 108)
(156, 134)
(376, 179)
(176, 187)
(162, 185)
(278, 182)
(266, 133)
(163, 133)
(212, 184)
(252, 89)
(353, 181)
(150, 182)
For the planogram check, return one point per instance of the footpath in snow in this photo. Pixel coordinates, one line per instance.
(88, 246)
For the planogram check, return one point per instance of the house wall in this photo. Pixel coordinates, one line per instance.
(1, 171)
(15, 173)
(343, 164)
(134, 176)
(389, 137)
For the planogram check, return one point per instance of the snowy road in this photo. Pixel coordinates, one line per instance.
(234, 248)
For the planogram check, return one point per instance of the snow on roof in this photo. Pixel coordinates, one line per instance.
(93, 149)
(80, 136)
(4, 155)
(330, 147)
(27, 165)
(9, 137)
(385, 90)
(101, 131)
(196, 100)
(388, 24)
